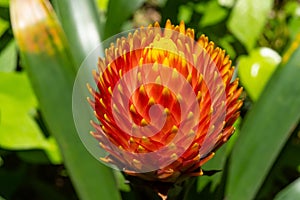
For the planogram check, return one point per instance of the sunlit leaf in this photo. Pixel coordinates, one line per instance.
(247, 20)
(3, 26)
(18, 130)
(8, 58)
(4, 3)
(291, 8)
(256, 69)
(265, 130)
(102, 4)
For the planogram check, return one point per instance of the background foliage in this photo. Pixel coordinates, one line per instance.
(41, 156)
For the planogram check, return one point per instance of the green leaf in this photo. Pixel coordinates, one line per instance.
(291, 192)
(284, 169)
(80, 21)
(52, 151)
(218, 163)
(294, 27)
(247, 20)
(52, 71)
(8, 58)
(291, 7)
(226, 43)
(18, 130)
(256, 69)
(4, 3)
(118, 12)
(121, 181)
(102, 4)
(265, 130)
(33, 156)
(185, 13)
(213, 14)
(3, 26)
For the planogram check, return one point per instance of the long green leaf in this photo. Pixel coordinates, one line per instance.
(118, 12)
(81, 24)
(291, 192)
(265, 130)
(52, 71)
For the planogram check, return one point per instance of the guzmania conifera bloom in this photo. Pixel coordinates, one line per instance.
(164, 102)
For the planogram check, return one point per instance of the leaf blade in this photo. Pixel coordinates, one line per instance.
(274, 116)
(249, 14)
(118, 12)
(292, 191)
(81, 25)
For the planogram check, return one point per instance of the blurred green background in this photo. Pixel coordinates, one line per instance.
(39, 158)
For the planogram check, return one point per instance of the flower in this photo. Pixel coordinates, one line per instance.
(164, 102)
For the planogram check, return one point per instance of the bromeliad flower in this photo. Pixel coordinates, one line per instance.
(164, 102)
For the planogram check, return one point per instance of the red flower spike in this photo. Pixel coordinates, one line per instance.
(185, 110)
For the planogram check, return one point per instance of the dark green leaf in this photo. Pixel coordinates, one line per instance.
(118, 12)
(33, 157)
(216, 163)
(284, 170)
(212, 185)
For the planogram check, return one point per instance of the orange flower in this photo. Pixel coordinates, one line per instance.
(165, 102)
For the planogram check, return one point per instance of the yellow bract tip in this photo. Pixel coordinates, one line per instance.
(144, 122)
